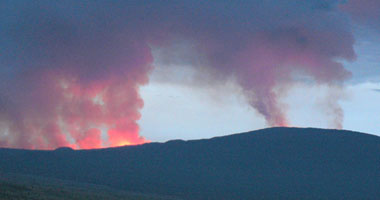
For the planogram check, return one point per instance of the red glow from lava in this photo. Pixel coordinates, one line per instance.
(104, 106)
(284, 124)
(125, 135)
(91, 140)
(127, 143)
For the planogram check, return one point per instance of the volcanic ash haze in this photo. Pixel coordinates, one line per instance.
(71, 70)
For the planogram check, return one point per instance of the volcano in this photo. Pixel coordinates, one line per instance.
(273, 163)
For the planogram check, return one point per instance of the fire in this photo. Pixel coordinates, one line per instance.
(123, 143)
(126, 143)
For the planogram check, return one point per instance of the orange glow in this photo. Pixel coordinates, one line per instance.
(91, 139)
(125, 132)
(123, 143)
(103, 105)
(284, 124)
(127, 143)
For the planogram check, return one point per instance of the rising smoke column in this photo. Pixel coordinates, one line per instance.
(68, 74)
(264, 45)
(71, 70)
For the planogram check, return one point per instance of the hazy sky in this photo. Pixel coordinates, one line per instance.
(174, 111)
(90, 74)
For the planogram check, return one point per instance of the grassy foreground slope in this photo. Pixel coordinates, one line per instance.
(20, 187)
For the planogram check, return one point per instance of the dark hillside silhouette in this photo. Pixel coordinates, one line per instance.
(293, 163)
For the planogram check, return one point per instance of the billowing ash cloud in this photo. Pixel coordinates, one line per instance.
(70, 69)
(67, 71)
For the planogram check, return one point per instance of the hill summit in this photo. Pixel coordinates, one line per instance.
(273, 163)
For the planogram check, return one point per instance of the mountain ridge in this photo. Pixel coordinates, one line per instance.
(306, 163)
(64, 148)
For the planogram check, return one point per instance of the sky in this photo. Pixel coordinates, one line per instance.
(92, 74)
(212, 113)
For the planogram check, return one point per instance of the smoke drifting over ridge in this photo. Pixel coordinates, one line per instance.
(71, 70)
